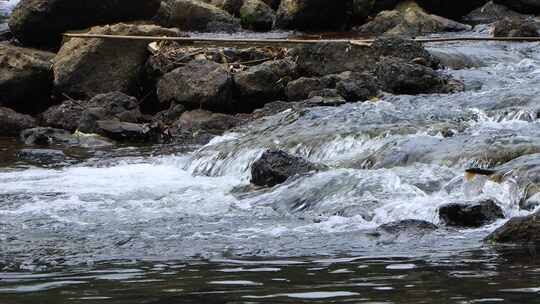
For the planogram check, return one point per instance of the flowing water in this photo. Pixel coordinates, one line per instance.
(175, 225)
(5, 7)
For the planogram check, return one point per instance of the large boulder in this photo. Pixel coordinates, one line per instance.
(12, 123)
(196, 16)
(454, 9)
(312, 14)
(409, 19)
(522, 6)
(518, 230)
(357, 87)
(263, 83)
(25, 78)
(490, 13)
(471, 214)
(257, 15)
(275, 167)
(41, 22)
(84, 68)
(515, 27)
(200, 84)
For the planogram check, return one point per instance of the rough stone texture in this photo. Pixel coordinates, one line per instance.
(275, 167)
(518, 230)
(196, 16)
(515, 27)
(401, 77)
(63, 116)
(41, 22)
(263, 83)
(84, 68)
(12, 123)
(25, 78)
(50, 136)
(357, 87)
(127, 131)
(407, 226)
(411, 20)
(522, 6)
(257, 15)
(312, 14)
(300, 88)
(198, 84)
(454, 9)
(41, 156)
(472, 214)
(490, 13)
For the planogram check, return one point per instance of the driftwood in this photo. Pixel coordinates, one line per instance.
(195, 41)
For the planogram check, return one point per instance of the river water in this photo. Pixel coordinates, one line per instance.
(172, 224)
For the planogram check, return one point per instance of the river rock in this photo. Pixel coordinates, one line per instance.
(41, 22)
(410, 20)
(472, 214)
(275, 167)
(300, 88)
(490, 13)
(257, 15)
(407, 226)
(198, 84)
(515, 27)
(357, 87)
(324, 98)
(25, 79)
(12, 123)
(64, 116)
(522, 6)
(196, 15)
(400, 77)
(84, 68)
(263, 83)
(50, 136)
(518, 230)
(454, 9)
(128, 132)
(41, 156)
(312, 14)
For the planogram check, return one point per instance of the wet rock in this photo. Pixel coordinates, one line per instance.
(199, 127)
(515, 27)
(64, 116)
(263, 83)
(275, 167)
(472, 214)
(193, 15)
(199, 84)
(400, 77)
(84, 68)
(232, 6)
(490, 13)
(300, 88)
(324, 98)
(273, 108)
(12, 123)
(257, 15)
(518, 230)
(407, 226)
(358, 87)
(128, 132)
(522, 6)
(408, 19)
(312, 14)
(170, 115)
(41, 156)
(50, 136)
(31, 21)
(334, 58)
(25, 79)
(451, 9)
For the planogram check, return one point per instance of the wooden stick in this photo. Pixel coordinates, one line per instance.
(266, 42)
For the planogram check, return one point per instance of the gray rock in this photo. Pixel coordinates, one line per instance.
(515, 27)
(25, 79)
(50, 136)
(518, 230)
(111, 106)
(12, 123)
(407, 226)
(358, 87)
(257, 15)
(128, 132)
(471, 214)
(300, 88)
(490, 13)
(41, 156)
(200, 84)
(64, 116)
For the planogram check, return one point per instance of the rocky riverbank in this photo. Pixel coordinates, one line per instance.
(95, 93)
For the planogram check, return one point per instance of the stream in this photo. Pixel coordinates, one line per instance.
(169, 224)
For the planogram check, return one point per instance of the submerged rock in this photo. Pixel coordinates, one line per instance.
(84, 68)
(41, 22)
(41, 156)
(407, 226)
(196, 16)
(12, 123)
(198, 84)
(515, 27)
(275, 167)
(257, 15)
(518, 230)
(25, 79)
(471, 214)
(312, 14)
